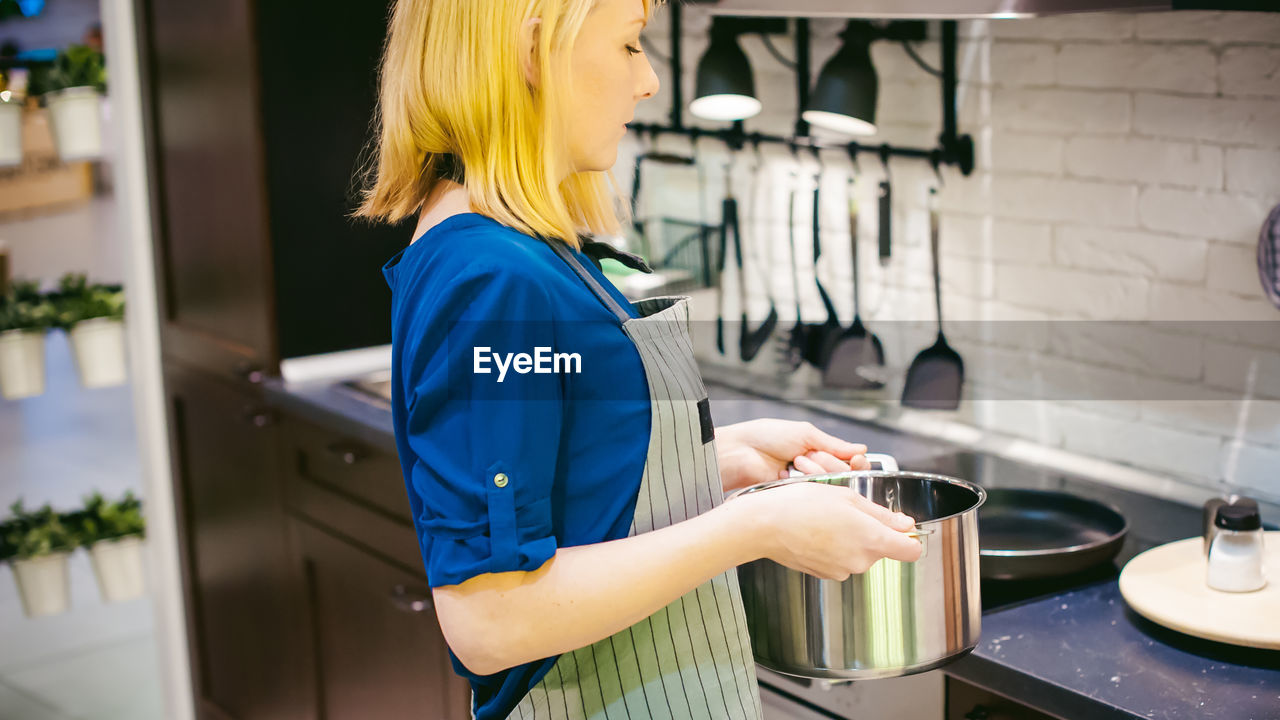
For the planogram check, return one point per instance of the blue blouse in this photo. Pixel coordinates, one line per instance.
(506, 459)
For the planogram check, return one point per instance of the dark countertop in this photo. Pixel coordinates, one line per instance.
(1071, 648)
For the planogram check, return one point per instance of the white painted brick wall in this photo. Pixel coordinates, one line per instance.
(1054, 110)
(1220, 216)
(1255, 172)
(1125, 165)
(1250, 70)
(1156, 162)
(1245, 121)
(1130, 253)
(1213, 28)
(1134, 66)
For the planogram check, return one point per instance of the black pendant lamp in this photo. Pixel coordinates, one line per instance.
(844, 99)
(725, 89)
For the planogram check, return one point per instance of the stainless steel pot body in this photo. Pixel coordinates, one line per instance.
(896, 618)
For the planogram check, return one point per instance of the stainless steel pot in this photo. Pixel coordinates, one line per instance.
(896, 618)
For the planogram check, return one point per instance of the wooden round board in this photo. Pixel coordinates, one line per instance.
(1166, 585)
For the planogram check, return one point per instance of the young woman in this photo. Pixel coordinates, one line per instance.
(572, 521)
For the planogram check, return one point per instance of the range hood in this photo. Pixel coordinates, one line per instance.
(963, 9)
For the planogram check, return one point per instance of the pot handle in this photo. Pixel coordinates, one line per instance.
(887, 462)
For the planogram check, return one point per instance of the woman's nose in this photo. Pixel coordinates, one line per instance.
(650, 85)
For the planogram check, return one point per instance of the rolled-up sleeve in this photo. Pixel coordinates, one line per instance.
(485, 443)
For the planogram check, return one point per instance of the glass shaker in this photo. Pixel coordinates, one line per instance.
(1235, 553)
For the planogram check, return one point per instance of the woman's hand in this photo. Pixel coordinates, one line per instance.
(825, 530)
(759, 450)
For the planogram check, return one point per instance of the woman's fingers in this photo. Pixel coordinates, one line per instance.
(808, 466)
(826, 442)
(896, 520)
(817, 462)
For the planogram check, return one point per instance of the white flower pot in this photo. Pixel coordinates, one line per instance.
(43, 584)
(21, 363)
(76, 117)
(10, 133)
(118, 566)
(98, 348)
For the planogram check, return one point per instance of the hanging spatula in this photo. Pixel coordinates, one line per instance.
(936, 377)
(857, 360)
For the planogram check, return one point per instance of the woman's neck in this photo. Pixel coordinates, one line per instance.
(447, 198)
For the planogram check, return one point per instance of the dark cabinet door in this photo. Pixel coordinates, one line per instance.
(240, 611)
(209, 217)
(377, 647)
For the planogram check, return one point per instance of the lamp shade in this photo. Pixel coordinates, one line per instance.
(724, 89)
(844, 99)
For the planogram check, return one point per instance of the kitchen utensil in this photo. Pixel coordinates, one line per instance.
(886, 210)
(936, 376)
(1166, 585)
(791, 345)
(720, 266)
(648, 153)
(1028, 533)
(820, 337)
(1269, 256)
(750, 341)
(857, 358)
(895, 619)
(721, 253)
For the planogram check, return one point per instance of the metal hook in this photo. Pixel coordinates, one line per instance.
(852, 149)
(884, 160)
(728, 177)
(817, 155)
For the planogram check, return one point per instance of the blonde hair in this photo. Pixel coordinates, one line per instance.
(453, 90)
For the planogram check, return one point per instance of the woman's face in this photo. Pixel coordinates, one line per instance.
(611, 74)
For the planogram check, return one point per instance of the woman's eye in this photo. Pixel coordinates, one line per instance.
(633, 50)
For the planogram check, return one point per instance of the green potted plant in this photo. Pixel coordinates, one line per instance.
(36, 544)
(113, 532)
(93, 317)
(25, 318)
(73, 93)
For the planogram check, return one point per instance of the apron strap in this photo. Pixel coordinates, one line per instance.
(592, 284)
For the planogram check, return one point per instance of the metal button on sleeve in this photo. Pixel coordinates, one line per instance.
(500, 480)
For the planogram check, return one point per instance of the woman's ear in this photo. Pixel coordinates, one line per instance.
(530, 33)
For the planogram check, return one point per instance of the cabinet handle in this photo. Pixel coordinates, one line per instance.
(248, 372)
(258, 417)
(348, 453)
(410, 602)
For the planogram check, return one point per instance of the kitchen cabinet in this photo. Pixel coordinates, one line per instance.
(373, 646)
(970, 702)
(256, 118)
(376, 649)
(240, 619)
(208, 193)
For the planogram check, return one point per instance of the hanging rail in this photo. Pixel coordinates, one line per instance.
(953, 148)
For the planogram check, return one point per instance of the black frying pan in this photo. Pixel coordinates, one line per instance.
(1025, 534)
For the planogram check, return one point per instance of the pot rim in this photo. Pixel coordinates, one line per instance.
(946, 479)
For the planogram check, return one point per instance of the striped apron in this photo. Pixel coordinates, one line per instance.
(692, 658)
